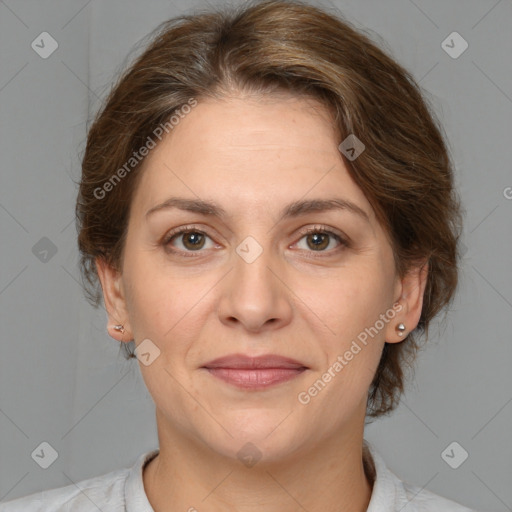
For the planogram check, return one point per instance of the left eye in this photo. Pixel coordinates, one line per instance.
(318, 240)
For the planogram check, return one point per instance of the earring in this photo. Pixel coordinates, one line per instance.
(400, 328)
(119, 328)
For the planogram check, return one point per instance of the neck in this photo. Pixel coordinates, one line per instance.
(329, 476)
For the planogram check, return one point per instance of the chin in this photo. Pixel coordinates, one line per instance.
(257, 434)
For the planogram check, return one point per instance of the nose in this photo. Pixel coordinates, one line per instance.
(255, 296)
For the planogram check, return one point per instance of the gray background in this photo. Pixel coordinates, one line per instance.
(64, 381)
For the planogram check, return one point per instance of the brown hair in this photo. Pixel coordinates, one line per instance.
(271, 46)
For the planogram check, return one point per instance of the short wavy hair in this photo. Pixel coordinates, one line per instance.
(267, 47)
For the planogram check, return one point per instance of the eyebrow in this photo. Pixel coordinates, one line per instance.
(292, 210)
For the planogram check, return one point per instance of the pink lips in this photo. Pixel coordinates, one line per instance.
(254, 372)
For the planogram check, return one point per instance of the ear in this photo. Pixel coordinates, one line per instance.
(115, 303)
(409, 294)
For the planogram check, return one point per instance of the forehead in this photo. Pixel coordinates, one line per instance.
(249, 150)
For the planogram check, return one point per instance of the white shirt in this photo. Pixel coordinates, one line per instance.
(122, 490)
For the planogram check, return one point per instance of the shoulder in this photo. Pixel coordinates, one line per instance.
(423, 500)
(87, 495)
(393, 494)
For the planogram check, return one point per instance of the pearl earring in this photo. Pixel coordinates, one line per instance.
(400, 328)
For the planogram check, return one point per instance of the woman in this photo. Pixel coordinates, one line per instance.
(267, 209)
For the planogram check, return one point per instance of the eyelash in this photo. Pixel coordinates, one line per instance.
(311, 230)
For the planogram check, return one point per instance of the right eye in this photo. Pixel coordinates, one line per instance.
(190, 239)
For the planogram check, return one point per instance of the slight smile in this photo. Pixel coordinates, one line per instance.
(255, 373)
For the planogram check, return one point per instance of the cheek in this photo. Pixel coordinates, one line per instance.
(350, 306)
(167, 307)
(152, 299)
(354, 300)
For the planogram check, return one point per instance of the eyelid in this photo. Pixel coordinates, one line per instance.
(320, 228)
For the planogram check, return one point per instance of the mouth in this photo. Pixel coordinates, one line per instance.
(255, 372)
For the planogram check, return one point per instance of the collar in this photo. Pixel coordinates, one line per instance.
(135, 497)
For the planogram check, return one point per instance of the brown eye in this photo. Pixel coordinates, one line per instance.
(318, 241)
(193, 240)
(186, 240)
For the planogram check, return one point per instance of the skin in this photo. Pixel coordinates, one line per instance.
(253, 156)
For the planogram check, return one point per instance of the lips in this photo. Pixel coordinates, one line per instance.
(255, 373)
(241, 361)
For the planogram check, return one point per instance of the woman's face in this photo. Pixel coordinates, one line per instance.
(249, 280)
